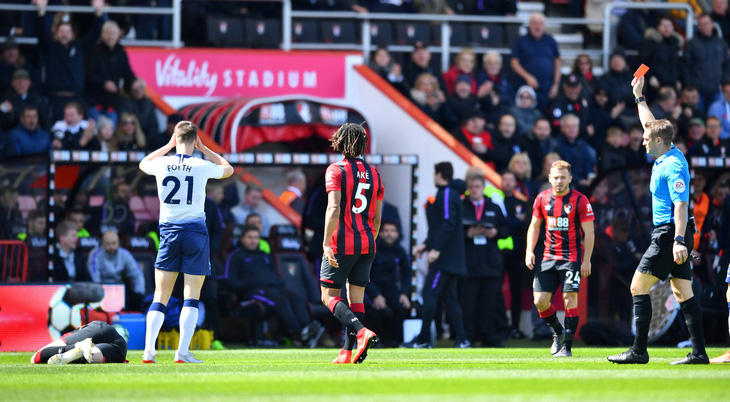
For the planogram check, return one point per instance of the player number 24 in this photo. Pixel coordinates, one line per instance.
(176, 186)
(360, 195)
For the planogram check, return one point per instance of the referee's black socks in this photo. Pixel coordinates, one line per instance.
(693, 319)
(642, 318)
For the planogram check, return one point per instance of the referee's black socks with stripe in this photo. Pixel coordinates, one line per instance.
(693, 319)
(642, 318)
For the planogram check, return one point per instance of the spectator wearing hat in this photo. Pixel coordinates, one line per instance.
(473, 135)
(695, 132)
(536, 61)
(462, 103)
(710, 145)
(19, 96)
(142, 107)
(164, 137)
(690, 104)
(706, 61)
(571, 101)
(525, 110)
(28, 137)
(464, 65)
(107, 67)
(419, 63)
(660, 50)
(11, 60)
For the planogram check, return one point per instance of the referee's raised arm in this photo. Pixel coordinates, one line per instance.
(645, 114)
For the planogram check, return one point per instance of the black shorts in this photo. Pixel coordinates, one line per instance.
(105, 337)
(355, 269)
(554, 272)
(658, 259)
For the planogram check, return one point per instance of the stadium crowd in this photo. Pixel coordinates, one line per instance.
(518, 114)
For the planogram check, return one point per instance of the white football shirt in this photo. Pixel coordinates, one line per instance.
(181, 181)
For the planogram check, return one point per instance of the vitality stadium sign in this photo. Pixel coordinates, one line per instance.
(240, 73)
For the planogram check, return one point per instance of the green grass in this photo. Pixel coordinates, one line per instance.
(387, 374)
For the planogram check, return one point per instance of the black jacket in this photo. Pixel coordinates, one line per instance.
(60, 274)
(11, 119)
(249, 271)
(390, 274)
(706, 62)
(104, 64)
(445, 228)
(537, 150)
(483, 258)
(662, 54)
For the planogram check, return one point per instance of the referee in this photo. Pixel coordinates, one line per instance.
(671, 240)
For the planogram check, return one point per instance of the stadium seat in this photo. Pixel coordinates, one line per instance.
(224, 32)
(13, 261)
(305, 31)
(458, 34)
(263, 34)
(486, 35)
(297, 275)
(381, 33)
(136, 204)
(152, 204)
(338, 31)
(410, 32)
(285, 238)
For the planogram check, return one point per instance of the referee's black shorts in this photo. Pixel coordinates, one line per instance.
(355, 269)
(658, 260)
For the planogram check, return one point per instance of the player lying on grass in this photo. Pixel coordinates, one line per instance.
(95, 342)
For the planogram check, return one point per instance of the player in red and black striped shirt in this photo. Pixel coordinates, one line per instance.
(352, 221)
(569, 240)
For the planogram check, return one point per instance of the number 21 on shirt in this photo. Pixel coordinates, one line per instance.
(170, 199)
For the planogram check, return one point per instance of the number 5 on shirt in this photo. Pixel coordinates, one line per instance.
(360, 195)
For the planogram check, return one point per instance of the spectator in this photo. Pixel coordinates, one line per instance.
(141, 105)
(389, 290)
(253, 275)
(475, 138)
(463, 103)
(251, 200)
(68, 265)
(538, 143)
(711, 145)
(525, 110)
(28, 138)
(721, 17)
(701, 203)
(73, 132)
(612, 154)
(493, 88)
(464, 65)
(387, 6)
(603, 116)
(129, 135)
(616, 78)
(432, 7)
(431, 100)
(635, 152)
(19, 96)
(521, 167)
(514, 261)
(158, 141)
(117, 215)
(633, 24)
(78, 217)
(706, 60)
(583, 68)
(720, 108)
(12, 218)
(107, 139)
(696, 132)
(64, 56)
(576, 151)
(570, 101)
(107, 66)
(666, 106)
(506, 143)
(541, 182)
(536, 61)
(36, 239)
(151, 26)
(216, 225)
(254, 219)
(383, 64)
(110, 263)
(690, 104)
(419, 63)
(296, 185)
(10, 61)
(480, 289)
(660, 50)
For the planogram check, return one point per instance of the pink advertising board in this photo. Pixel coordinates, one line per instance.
(240, 73)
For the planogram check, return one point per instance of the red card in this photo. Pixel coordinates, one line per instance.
(641, 71)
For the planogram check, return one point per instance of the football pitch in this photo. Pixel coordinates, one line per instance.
(387, 374)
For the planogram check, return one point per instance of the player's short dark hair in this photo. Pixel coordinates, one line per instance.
(445, 169)
(350, 140)
(250, 188)
(27, 108)
(661, 128)
(249, 228)
(395, 225)
(76, 106)
(689, 88)
(64, 228)
(186, 131)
